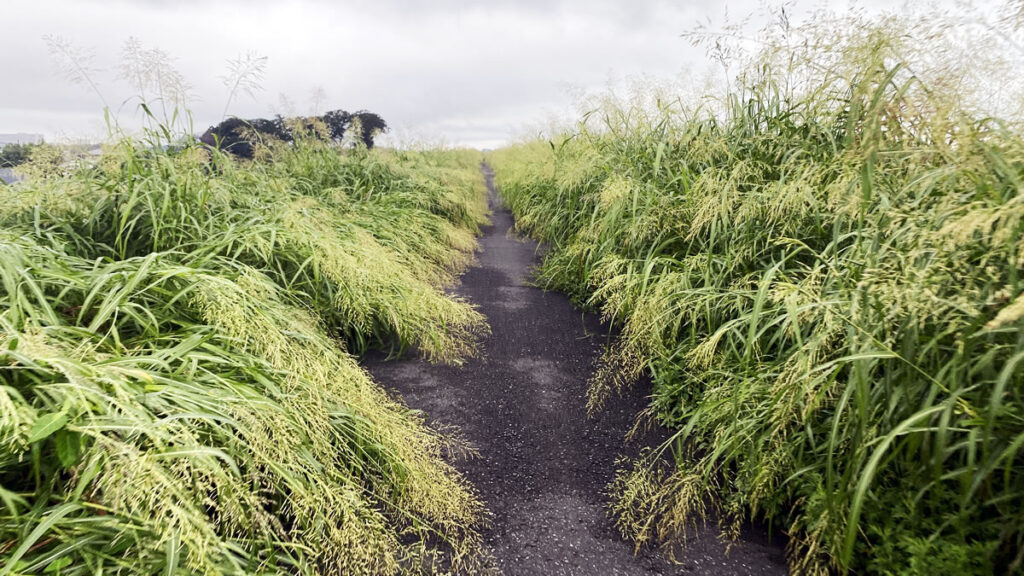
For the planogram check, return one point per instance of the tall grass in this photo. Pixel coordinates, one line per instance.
(179, 391)
(823, 279)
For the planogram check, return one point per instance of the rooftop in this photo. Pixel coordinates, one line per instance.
(20, 138)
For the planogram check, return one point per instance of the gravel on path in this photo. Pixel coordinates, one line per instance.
(544, 465)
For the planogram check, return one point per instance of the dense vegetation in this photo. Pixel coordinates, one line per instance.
(822, 275)
(179, 392)
(243, 137)
(15, 154)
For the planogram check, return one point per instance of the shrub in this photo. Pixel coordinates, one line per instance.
(241, 137)
(823, 280)
(179, 391)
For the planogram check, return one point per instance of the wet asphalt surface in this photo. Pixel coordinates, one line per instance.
(544, 465)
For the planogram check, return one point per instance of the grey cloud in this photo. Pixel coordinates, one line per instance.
(470, 72)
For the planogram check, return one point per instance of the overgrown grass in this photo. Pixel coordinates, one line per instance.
(824, 281)
(178, 390)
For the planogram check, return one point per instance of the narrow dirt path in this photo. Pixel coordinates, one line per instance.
(543, 464)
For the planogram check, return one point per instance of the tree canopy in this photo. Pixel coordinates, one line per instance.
(12, 155)
(238, 136)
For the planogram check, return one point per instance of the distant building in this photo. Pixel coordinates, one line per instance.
(8, 176)
(20, 138)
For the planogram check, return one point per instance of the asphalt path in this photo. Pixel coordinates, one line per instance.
(544, 465)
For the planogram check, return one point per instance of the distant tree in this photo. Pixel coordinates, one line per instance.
(276, 127)
(13, 155)
(370, 125)
(337, 122)
(238, 136)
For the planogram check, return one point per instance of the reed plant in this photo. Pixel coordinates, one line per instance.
(180, 390)
(821, 274)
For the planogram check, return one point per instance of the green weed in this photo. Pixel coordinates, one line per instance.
(178, 391)
(821, 274)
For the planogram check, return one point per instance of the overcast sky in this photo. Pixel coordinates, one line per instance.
(468, 72)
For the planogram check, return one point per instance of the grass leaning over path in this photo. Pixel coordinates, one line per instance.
(825, 286)
(178, 390)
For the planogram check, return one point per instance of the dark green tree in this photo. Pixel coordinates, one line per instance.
(13, 155)
(239, 136)
(370, 125)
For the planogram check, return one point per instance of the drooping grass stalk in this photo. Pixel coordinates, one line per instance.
(177, 392)
(824, 283)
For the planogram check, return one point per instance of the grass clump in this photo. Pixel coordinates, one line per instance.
(179, 391)
(822, 275)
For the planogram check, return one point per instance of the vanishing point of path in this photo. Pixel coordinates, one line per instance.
(543, 463)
